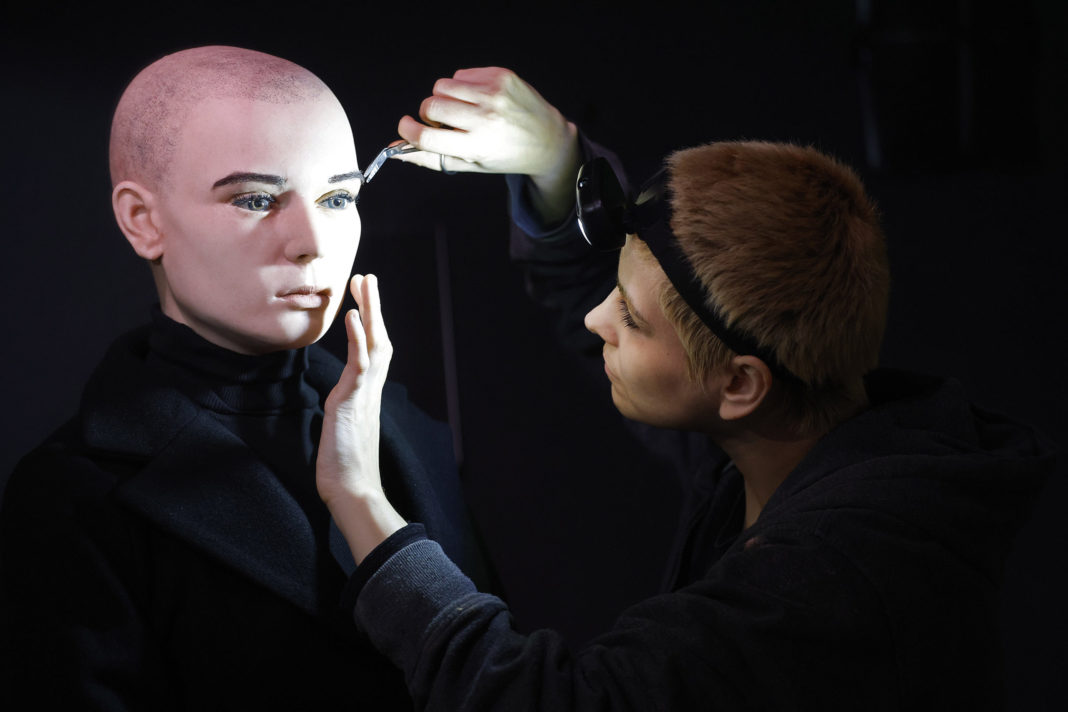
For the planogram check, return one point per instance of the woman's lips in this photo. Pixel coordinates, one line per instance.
(608, 371)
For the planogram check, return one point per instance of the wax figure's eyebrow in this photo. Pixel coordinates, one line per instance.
(250, 178)
(630, 305)
(345, 176)
(276, 180)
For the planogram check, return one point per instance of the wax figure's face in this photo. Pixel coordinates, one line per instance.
(259, 222)
(643, 356)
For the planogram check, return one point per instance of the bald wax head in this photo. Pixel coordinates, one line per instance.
(153, 110)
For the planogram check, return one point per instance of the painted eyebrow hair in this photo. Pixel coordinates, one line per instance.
(345, 176)
(630, 305)
(250, 178)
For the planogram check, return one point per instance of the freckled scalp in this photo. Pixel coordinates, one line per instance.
(148, 120)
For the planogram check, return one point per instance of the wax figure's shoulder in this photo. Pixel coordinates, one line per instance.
(55, 484)
(66, 464)
(64, 489)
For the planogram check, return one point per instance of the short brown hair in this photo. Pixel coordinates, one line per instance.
(788, 246)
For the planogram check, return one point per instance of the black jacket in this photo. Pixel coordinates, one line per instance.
(869, 582)
(150, 559)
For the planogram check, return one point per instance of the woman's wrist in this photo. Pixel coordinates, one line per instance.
(366, 519)
(553, 196)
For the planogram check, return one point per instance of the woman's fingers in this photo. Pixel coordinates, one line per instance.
(374, 337)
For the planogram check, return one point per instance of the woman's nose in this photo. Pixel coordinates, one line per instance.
(599, 319)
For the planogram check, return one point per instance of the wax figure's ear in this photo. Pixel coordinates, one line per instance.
(747, 384)
(133, 205)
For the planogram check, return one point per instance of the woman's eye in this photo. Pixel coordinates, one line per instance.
(338, 201)
(256, 202)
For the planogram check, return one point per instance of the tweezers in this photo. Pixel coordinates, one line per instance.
(384, 155)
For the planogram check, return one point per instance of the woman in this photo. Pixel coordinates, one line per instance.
(846, 551)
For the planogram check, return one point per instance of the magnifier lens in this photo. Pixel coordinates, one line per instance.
(602, 205)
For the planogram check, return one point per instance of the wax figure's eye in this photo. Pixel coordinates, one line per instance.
(624, 311)
(256, 202)
(339, 200)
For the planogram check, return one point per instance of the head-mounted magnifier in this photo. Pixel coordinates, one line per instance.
(606, 216)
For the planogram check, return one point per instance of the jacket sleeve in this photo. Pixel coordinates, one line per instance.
(562, 272)
(73, 636)
(751, 635)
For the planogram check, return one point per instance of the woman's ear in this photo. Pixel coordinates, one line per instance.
(133, 205)
(747, 384)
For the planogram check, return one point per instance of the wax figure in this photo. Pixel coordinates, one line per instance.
(166, 548)
(843, 552)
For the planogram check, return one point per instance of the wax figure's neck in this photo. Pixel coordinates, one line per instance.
(186, 337)
(247, 383)
(169, 309)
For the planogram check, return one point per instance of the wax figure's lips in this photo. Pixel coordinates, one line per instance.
(306, 297)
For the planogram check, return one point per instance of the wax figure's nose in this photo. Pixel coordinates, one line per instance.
(302, 234)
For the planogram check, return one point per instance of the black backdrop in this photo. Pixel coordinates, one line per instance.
(952, 111)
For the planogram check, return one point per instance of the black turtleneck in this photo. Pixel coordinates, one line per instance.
(264, 400)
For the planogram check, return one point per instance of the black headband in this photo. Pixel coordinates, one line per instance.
(606, 217)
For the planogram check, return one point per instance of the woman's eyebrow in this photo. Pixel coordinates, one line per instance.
(250, 178)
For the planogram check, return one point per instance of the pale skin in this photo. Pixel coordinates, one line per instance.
(647, 367)
(489, 120)
(252, 236)
(346, 472)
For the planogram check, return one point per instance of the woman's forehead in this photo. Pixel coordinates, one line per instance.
(639, 267)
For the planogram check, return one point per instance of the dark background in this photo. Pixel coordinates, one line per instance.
(953, 112)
